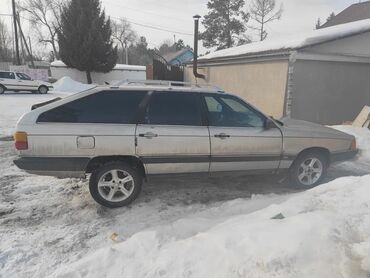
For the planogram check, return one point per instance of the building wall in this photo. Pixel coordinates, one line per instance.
(357, 45)
(329, 92)
(263, 84)
(114, 75)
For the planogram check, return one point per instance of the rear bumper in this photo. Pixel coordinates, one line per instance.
(342, 156)
(54, 166)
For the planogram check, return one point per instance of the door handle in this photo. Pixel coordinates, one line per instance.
(148, 135)
(222, 136)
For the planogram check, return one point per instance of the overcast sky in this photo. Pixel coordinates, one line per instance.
(176, 16)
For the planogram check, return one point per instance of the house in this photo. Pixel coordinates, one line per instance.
(355, 12)
(179, 57)
(322, 76)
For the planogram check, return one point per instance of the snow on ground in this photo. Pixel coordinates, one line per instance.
(324, 232)
(182, 227)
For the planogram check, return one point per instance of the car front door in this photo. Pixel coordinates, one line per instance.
(25, 82)
(239, 139)
(171, 137)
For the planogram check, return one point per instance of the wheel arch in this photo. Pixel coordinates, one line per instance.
(321, 150)
(133, 161)
(42, 85)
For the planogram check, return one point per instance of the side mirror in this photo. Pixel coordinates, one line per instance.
(269, 124)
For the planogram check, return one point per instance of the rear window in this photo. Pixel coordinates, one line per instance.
(115, 107)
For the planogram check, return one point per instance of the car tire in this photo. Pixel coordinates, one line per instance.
(308, 170)
(2, 89)
(43, 90)
(115, 184)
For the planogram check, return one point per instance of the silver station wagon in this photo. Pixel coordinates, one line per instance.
(125, 133)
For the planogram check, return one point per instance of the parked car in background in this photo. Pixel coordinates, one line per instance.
(17, 81)
(124, 134)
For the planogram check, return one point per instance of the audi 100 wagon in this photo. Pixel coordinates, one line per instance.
(123, 134)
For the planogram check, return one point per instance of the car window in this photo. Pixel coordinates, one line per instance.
(114, 107)
(174, 108)
(8, 75)
(23, 76)
(229, 111)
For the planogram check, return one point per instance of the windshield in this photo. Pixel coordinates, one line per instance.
(23, 76)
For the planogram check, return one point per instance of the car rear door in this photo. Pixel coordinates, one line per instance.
(8, 80)
(239, 140)
(100, 124)
(171, 137)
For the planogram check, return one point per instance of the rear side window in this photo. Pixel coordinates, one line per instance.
(173, 109)
(113, 107)
(8, 75)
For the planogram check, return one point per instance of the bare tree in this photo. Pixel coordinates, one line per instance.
(264, 12)
(5, 42)
(44, 15)
(123, 33)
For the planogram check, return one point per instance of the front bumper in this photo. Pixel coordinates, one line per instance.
(343, 156)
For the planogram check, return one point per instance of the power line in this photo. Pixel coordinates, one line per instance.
(155, 27)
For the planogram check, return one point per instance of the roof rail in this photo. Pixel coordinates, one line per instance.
(165, 83)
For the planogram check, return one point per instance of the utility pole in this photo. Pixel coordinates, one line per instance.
(25, 42)
(18, 60)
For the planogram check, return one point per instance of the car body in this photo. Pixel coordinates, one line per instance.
(18, 81)
(166, 129)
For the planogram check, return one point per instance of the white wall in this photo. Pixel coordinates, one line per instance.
(120, 72)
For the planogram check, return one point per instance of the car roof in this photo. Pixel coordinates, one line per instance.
(164, 85)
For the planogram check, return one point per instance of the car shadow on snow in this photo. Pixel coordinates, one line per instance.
(205, 190)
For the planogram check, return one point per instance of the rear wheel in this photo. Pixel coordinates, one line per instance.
(2, 89)
(308, 170)
(115, 184)
(43, 90)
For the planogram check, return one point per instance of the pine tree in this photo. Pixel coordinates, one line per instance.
(85, 41)
(225, 24)
(318, 24)
(330, 17)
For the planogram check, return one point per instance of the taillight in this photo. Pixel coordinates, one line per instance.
(353, 145)
(20, 139)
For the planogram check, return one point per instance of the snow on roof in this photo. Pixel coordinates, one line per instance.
(60, 64)
(289, 43)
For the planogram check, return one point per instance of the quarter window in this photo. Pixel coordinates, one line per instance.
(114, 107)
(228, 111)
(173, 108)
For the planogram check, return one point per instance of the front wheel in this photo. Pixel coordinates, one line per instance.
(2, 89)
(115, 184)
(43, 90)
(308, 170)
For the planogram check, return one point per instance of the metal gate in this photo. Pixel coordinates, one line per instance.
(164, 71)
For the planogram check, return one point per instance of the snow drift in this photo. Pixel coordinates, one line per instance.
(325, 232)
(67, 84)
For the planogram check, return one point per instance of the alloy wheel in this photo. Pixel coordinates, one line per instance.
(116, 185)
(310, 171)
